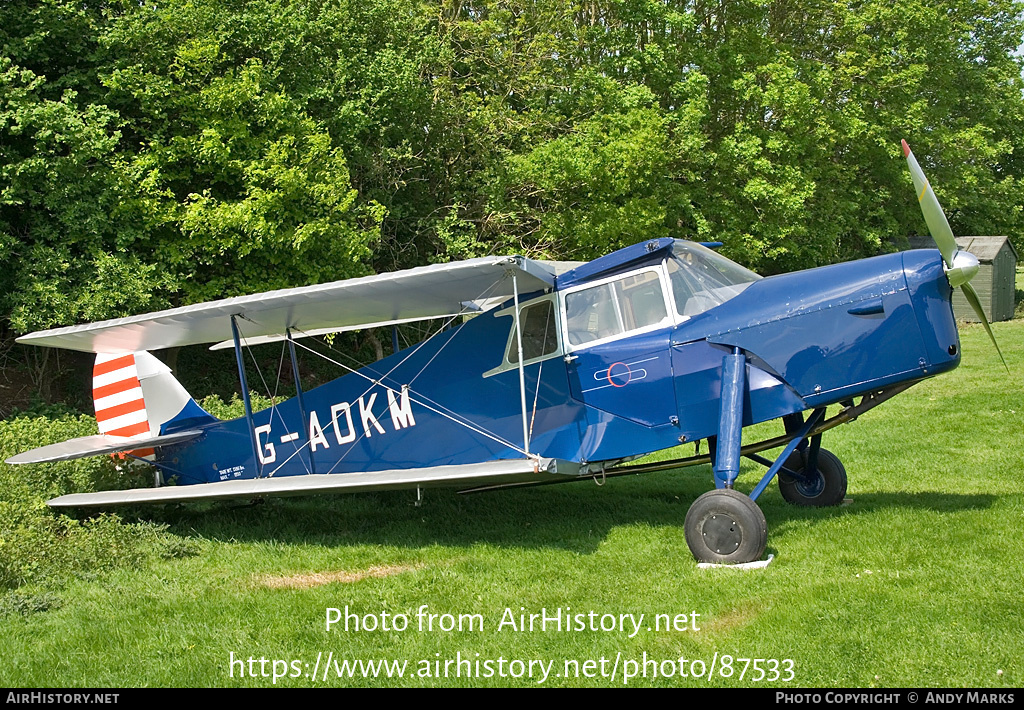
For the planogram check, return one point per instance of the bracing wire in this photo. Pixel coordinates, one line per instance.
(414, 396)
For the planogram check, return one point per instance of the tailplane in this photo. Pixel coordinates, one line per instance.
(140, 406)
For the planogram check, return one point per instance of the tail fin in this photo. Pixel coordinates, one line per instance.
(139, 406)
(136, 395)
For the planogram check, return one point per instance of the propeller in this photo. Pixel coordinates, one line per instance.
(960, 266)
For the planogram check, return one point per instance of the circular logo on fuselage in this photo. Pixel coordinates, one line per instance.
(618, 374)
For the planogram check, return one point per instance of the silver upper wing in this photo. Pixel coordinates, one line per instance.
(424, 292)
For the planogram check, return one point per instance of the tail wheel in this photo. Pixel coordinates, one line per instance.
(725, 526)
(827, 486)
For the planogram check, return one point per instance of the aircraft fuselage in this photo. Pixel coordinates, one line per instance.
(617, 363)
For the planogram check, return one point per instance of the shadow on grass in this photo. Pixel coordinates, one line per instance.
(781, 514)
(575, 517)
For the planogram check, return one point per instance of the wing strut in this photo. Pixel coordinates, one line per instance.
(298, 394)
(245, 396)
(522, 376)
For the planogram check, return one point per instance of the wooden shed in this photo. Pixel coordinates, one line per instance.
(995, 280)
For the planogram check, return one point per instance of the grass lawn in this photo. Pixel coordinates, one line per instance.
(917, 582)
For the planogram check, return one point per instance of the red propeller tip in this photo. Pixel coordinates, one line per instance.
(906, 148)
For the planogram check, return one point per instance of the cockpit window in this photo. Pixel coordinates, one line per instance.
(702, 279)
(629, 303)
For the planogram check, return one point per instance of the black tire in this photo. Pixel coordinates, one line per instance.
(827, 488)
(725, 526)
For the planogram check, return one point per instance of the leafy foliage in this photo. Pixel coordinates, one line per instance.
(194, 150)
(43, 549)
(234, 408)
(173, 167)
(198, 149)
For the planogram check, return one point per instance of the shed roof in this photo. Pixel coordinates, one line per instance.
(985, 248)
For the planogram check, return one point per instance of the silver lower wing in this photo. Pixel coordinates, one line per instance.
(461, 476)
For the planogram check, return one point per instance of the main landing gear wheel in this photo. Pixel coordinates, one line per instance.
(826, 487)
(725, 526)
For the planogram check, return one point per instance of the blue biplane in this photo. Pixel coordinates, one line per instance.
(548, 372)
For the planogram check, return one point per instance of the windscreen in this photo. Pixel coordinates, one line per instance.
(702, 279)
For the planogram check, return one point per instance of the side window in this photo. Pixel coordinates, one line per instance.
(628, 303)
(539, 336)
(591, 314)
(641, 300)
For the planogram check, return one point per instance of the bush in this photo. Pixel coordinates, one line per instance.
(46, 548)
(236, 407)
(27, 603)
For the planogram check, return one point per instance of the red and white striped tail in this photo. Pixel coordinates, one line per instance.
(117, 396)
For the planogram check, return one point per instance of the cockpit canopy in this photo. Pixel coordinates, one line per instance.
(691, 279)
(677, 281)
